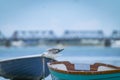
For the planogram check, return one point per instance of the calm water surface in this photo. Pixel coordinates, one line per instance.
(74, 54)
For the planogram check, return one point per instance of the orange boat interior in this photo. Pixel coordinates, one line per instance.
(93, 67)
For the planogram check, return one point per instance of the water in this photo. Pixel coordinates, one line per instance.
(74, 54)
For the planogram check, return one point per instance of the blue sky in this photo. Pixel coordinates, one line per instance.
(59, 15)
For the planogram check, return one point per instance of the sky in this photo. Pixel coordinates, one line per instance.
(59, 15)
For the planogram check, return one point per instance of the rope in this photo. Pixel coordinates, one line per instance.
(43, 60)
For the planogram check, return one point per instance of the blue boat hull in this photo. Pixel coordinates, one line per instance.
(24, 68)
(63, 76)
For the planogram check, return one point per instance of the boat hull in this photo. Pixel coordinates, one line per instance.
(25, 68)
(63, 76)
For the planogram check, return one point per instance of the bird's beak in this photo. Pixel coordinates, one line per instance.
(60, 50)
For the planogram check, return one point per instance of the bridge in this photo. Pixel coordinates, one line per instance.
(84, 34)
(4, 40)
(2, 37)
(33, 37)
(115, 35)
(69, 37)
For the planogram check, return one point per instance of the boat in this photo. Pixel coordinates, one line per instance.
(32, 67)
(65, 70)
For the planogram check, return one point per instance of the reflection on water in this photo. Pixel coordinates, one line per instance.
(74, 54)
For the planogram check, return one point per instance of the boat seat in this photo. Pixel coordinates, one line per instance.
(60, 66)
(83, 67)
(103, 67)
(76, 67)
(65, 65)
(69, 66)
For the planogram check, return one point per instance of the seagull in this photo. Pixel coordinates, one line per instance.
(52, 53)
(55, 50)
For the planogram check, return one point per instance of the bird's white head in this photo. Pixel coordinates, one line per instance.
(52, 53)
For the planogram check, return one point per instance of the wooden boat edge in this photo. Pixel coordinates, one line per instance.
(86, 72)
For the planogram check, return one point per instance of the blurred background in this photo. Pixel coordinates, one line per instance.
(89, 30)
(64, 22)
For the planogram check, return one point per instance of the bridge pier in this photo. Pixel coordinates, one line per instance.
(107, 42)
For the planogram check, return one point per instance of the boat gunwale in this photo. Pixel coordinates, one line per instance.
(82, 72)
(24, 57)
(21, 57)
